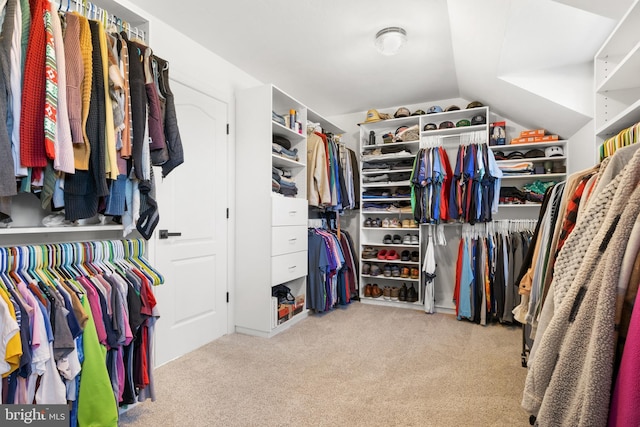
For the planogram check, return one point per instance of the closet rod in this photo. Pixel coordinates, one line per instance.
(91, 11)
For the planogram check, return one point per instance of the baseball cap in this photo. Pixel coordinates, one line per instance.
(430, 126)
(463, 122)
(478, 119)
(475, 104)
(400, 129)
(536, 152)
(515, 155)
(434, 109)
(499, 155)
(418, 113)
(447, 124)
(553, 151)
(452, 108)
(402, 112)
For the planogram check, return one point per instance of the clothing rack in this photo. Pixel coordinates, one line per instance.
(624, 138)
(91, 11)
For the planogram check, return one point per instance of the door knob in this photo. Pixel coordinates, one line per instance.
(164, 234)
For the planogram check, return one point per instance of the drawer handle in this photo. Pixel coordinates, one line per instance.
(293, 239)
(292, 213)
(293, 267)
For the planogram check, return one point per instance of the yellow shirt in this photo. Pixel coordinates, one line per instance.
(13, 350)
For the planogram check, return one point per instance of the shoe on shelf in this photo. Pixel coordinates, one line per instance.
(392, 255)
(387, 293)
(415, 273)
(402, 294)
(415, 240)
(415, 256)
(382, 254)
(397, 239)
(406, 240)
(404, 272)
(406, 223)
(404, 256)
(394, 223)
(367, 222)
(387, 270)
(412, 294)
(369, 252)
(387, 239)
(367, 291)
(366, 268)
(394, 293)
(375, 270)
(385, 223)
(376, 292)
(395, 271)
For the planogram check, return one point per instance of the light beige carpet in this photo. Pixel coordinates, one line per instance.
(358, 366)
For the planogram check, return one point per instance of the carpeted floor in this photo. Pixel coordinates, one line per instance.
(358, 366)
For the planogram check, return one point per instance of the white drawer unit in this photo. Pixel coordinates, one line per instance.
(286, 240)
(289, 211)
(288, 267)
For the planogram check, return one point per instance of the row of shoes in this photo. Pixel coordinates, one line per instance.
(389, 270)
(391, 223)
(392, 293)
(408, 239)
(390, 254)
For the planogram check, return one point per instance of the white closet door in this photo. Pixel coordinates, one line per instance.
(193, 201)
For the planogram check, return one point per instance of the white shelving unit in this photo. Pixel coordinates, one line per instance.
(271, 230)
(617, 78)
(373, 236)
(530, 210)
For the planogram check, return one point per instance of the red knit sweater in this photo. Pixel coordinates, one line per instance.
(32, 152)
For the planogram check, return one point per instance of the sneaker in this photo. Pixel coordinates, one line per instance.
(395, 271)
(402, 294)
(385, 223)
(367, 291)
(387, 293)
(394, 223)
(387, 239)
(415, 240)
(415, 256)
(397, 239)
(369, 252)
(394, 293)
(406, 223)
(375, 270)
(404, 272)
(415, 273)
(412, 294)
(367, 222)
(406, 240)
(387, 270)
(366, 268)
(382, 254)
(405, 256)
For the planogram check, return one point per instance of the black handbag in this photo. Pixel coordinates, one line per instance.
(283, 293)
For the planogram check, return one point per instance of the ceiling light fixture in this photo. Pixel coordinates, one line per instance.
(389, 40)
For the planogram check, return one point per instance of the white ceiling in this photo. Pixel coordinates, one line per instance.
(530, 60)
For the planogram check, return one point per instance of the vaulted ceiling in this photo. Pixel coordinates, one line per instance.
(530, 60)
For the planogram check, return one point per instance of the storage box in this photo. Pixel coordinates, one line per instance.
(498, 133)
(534, 132)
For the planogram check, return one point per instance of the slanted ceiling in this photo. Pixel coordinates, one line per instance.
(530, 60)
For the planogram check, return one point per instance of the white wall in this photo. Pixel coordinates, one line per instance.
(582, 149)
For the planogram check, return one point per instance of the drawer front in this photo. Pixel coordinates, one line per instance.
(289, 211)
(286, 240)
(288, 267)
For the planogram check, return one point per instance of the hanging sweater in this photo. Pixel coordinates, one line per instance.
(74, 75)
(83, 151)
(171, 131)
(63, 161)
(569, 380)
(32, 151)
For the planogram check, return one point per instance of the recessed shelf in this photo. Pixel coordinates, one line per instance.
(535, 176)
(283, 162)
(70, 229)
